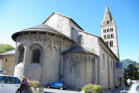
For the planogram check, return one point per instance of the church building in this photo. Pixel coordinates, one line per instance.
(60, 50)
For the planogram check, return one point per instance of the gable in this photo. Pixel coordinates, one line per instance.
(61, 23)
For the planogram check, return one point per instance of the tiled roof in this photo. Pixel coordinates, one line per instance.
(77, 49)
(39, 28)
(12, 52)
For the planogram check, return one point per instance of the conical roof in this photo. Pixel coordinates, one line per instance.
(39, 28)
(107, 15)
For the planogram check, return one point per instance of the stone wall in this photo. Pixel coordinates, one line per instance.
(107, 67)
(79, 69)
(7, 63)
(48, 70)
(59, 23)
(86, 40)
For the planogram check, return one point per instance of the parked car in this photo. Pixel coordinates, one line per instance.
(134, 81)
(9, 84)
(57, 84)
(2, 72)
(134, 88)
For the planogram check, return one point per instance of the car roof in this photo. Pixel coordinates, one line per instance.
(6, 75)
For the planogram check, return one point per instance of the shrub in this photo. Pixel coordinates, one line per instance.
(92, 89)
(34, 84)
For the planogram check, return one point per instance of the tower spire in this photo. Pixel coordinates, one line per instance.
(107, 15)
(109, 31)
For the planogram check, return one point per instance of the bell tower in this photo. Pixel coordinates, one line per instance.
(109, 32)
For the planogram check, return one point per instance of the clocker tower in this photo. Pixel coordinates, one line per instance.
(109, 32)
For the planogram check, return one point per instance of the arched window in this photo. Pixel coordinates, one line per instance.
(21, 53)
(36, 53)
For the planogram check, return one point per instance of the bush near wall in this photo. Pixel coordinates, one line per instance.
(35, 84)
(92, 89)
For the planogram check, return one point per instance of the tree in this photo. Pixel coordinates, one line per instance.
(5, 48)
(131, 72)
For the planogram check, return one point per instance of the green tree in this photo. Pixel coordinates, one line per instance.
(5, 48)
(131, 72)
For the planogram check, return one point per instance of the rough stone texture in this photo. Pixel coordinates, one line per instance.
(7, 63)
(76, 69)
(48, 69)
(108, 23)
(79, 70)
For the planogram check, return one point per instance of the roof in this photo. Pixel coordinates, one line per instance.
(107, 15)
(42, 27)
(100, 40)
(63, 16)
(39, 28)
(12, 52)
(77, 49)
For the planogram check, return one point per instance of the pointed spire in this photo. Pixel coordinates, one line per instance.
(107, 15)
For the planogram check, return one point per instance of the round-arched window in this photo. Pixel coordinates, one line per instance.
(36, 53)
(21, 53)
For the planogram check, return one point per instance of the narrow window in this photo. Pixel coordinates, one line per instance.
(108, 36)
(111, 43)
(6, 60)
(107, 22)
(104, 36)
(111, 29)
(104, 30)
(21, 54)
(107, 30)
(36, 55)
(112, 36)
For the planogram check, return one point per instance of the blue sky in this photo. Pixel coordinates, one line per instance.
(16, 15)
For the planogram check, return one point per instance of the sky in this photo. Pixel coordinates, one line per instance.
(16, 15)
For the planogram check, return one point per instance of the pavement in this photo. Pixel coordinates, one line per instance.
(50, 90)
(114, 90)
(117, 90)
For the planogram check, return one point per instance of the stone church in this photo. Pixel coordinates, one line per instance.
(60, 50)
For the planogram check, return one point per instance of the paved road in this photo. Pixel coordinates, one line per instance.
(49, 90)
(120, 90)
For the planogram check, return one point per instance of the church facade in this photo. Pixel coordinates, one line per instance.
(60, 50)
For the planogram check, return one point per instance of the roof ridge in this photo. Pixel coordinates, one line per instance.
(62, 16)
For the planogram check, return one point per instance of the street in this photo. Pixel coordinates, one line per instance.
(119, 90)
(50, 90)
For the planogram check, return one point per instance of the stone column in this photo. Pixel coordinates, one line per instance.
(43, 64)
(16, 57)
(96, 70)
(26, 60)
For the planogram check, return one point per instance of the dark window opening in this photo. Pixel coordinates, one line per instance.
(111, 43)
(112, 36)
(107, 30)
(36, 55)
(104, 36)
(21, 54)
(111, 29)
(104, 30)
(108, 36)
(6, 60)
